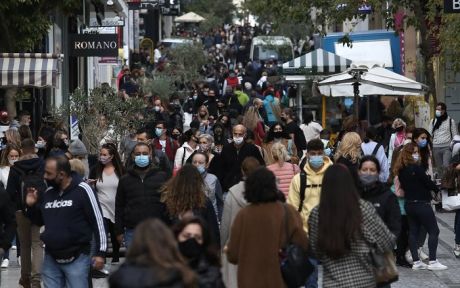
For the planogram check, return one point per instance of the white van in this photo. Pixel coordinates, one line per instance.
(277, 48)
(171, 43)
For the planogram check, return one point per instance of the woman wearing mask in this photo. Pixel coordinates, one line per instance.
(185, 195)
(343, 229)
(422, 139)
(378, 194)
(348, 153)
(265, 218)
(277, 134)
(213, 189)
(138, 194)
(190, 139)
(224, 120)
(283, 170)
(234, 202)
(417, 187)
(176, 134)
(105, 176)
(10, 155)
(397, 138)
(253, 122)
(153, 260)
(60, 144)
(219, 137)
(202, 122)
(161, 114)
(195, 244)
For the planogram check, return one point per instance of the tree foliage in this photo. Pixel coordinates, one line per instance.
(24, 23)
(102, 114)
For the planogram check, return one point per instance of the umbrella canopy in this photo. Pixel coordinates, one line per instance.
(375, 80)
(190, 17)
(316, 62)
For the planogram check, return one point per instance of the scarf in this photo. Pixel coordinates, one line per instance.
(438, 122)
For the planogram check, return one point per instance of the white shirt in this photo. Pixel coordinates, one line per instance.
(156, 55)
(4, 172)
(185, 148)
(107, 192)
(311, 131)
(368, 148)
(163, 145)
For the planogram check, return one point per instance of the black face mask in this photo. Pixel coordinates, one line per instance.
(283, 119)
(53, 183)
(399, 129)
(175, 136)
(190, 248)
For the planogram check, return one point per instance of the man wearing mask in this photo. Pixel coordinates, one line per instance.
(294, 130)
(305, 189)
(233, 155)
(28, 169)
(162, 142)
(72, 215)
(138, 194)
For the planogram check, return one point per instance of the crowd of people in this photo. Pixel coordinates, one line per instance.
(210, 191)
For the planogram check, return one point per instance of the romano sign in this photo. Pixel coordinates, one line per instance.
(86, 45)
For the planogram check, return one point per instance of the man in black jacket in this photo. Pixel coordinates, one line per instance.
(7, 221)
(138, 194)
(71, 213)
(28, 228)
(233, 155)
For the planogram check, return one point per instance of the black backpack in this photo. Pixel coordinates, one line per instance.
(32, 179)
(303, 184)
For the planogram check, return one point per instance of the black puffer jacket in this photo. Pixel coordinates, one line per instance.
(209, 276)
(138, 198)
(386, 204)
(137, 276)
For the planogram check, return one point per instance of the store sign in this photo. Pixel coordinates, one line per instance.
(87, 45)
(451, 6)
(107, 22)
(146, 4)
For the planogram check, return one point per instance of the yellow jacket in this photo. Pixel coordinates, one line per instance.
(312, 194)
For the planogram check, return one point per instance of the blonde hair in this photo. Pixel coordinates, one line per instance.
(349, 147)
(77, 166)
(251, 118)
(13, 137)
(279, 152)
(204, 108)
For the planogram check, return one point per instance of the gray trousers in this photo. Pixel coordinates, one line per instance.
(441, 156)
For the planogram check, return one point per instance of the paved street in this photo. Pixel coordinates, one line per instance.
(408, 278)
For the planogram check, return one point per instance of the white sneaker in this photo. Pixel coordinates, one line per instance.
(436, 266)
(457, 250)
(5, 263)
(19, 261)
(408, 257)
(422, 255)
(419, 265)
(14, 247)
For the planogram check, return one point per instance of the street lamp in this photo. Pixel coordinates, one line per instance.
(356, 73)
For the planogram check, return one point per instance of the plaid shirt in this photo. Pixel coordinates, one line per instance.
(354, 269)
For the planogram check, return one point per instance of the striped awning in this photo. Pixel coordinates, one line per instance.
(317, 62)
(28, 69)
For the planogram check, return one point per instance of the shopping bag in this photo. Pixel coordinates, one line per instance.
(450, 203)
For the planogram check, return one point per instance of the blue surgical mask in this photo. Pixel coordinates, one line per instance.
(194, 97)
(201, 169)
(422, 143)
(142, 161)
(158, 131)
(328, 152)
(416, 157)
(438, 113)
(316, 161)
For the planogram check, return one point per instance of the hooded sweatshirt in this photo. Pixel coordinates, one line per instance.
(312, 194)
(71, 218)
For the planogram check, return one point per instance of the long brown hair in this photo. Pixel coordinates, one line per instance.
(340, 219)
(116, 161)
(154, 245)
(184, 192)
(9, 147)
(251, 118)
(405, 157)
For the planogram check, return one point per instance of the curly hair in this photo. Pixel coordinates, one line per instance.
(350, 147)
(184, 192)
(405, 157)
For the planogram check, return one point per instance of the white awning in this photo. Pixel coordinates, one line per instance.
(316, 62)
(28, 70)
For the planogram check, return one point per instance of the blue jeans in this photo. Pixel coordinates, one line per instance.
(129, 234)
(71, 275)
(312, 281)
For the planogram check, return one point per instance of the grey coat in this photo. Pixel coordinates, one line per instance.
(234, 202)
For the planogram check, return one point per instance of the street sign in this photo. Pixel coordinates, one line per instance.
(146, 4)
(451, 6)
(87, 45)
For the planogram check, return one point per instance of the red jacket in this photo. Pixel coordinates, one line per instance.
(171, 147)
(232, 81)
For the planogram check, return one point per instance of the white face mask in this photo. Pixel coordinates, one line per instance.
(12, 161)
(238, 140)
